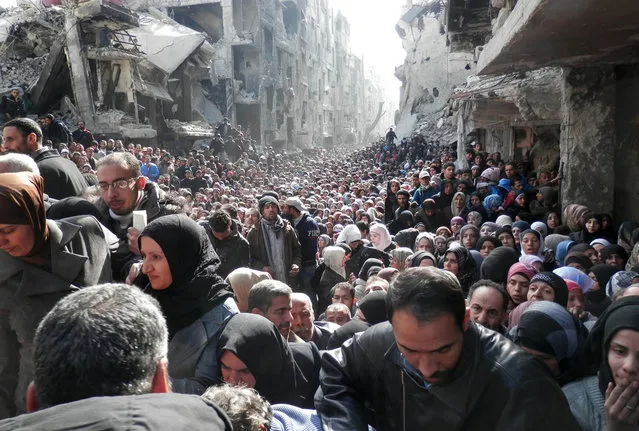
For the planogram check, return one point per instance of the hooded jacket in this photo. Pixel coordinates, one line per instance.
(495, 386)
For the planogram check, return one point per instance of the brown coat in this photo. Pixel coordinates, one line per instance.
(259, 256)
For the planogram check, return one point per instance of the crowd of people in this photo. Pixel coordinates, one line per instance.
(390, 288)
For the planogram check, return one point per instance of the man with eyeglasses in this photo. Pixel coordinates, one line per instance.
(123, 190)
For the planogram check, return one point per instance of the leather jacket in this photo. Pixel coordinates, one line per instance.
(495, 386)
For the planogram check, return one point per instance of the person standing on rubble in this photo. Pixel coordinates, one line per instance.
(55, 131)
(82, 135)
(12, 105)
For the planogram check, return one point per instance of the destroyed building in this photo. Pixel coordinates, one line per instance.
(558, 79)
(164, 72)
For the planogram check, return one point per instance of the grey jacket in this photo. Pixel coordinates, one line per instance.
(587, 403)
(192, 355)
(79, 258)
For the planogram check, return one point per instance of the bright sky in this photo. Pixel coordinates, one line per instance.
(373, 36)
(7, 3)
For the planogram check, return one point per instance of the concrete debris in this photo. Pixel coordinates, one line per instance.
(166, 45)
(169, 69)
(193, 129)
(20, 72)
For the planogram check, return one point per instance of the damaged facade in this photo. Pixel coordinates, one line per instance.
(165, 71)
(558, 79)
(430, 72)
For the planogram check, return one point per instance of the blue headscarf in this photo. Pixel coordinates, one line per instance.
(492, 201)
(562, 251)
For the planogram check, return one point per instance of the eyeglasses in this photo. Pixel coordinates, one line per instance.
(117, 184)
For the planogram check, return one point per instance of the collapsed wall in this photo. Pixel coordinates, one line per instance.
(429, 74)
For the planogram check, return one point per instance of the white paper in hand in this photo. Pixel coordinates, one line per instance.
(139, 220)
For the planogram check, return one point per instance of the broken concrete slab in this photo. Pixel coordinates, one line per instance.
(166, 45)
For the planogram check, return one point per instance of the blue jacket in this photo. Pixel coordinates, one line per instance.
(192, 354)
(307, 234)
(150, 171)
(421, 195)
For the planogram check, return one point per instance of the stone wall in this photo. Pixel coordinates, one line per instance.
(588, 137)
(626, 148)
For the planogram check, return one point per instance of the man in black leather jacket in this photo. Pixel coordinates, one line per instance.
(430, 367)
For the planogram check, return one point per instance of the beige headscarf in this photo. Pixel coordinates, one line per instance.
(241, 280)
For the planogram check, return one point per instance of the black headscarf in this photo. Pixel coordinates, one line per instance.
(417, 258)
(622, 314)
(614, 249)
(373, 307)
(466, 266)
(596, 300)
(363, 271)
(196, 287)
(256, 341)
(406, 237)
(496, 265)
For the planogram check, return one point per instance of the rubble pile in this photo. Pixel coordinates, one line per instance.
(436, 127)
(20, 72)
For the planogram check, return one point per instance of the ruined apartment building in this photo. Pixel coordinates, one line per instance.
(165, 71)
(558, 79)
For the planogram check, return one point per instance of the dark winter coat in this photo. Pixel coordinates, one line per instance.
(62, 178)
(79, 258)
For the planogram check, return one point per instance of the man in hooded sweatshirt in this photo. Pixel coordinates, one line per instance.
(274, 245)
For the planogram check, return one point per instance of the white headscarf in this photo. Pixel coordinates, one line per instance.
(334, 258)
(385, 238)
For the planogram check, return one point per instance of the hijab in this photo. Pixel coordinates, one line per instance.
(373, 307)
(634, 257)
(453, 209)
(256, 341)
(368, 263)
(22, 203)
(569, 273)
(496, 265)
(427, 236)
(575, 215)
(540, 227)
(620, 280)
(553, 240)
(625, 235)
(407, 237)
(490, 226)
(333, 258)
(476, 216)
(557, 283)
(465, 266)
(622, 314)
(562, 251)
(196, 287)
(385, 237)
(540, 237)
(614, 249)
(417, 258)
(603, 272)
(491, 203)
(241, 280)
(549, 328)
